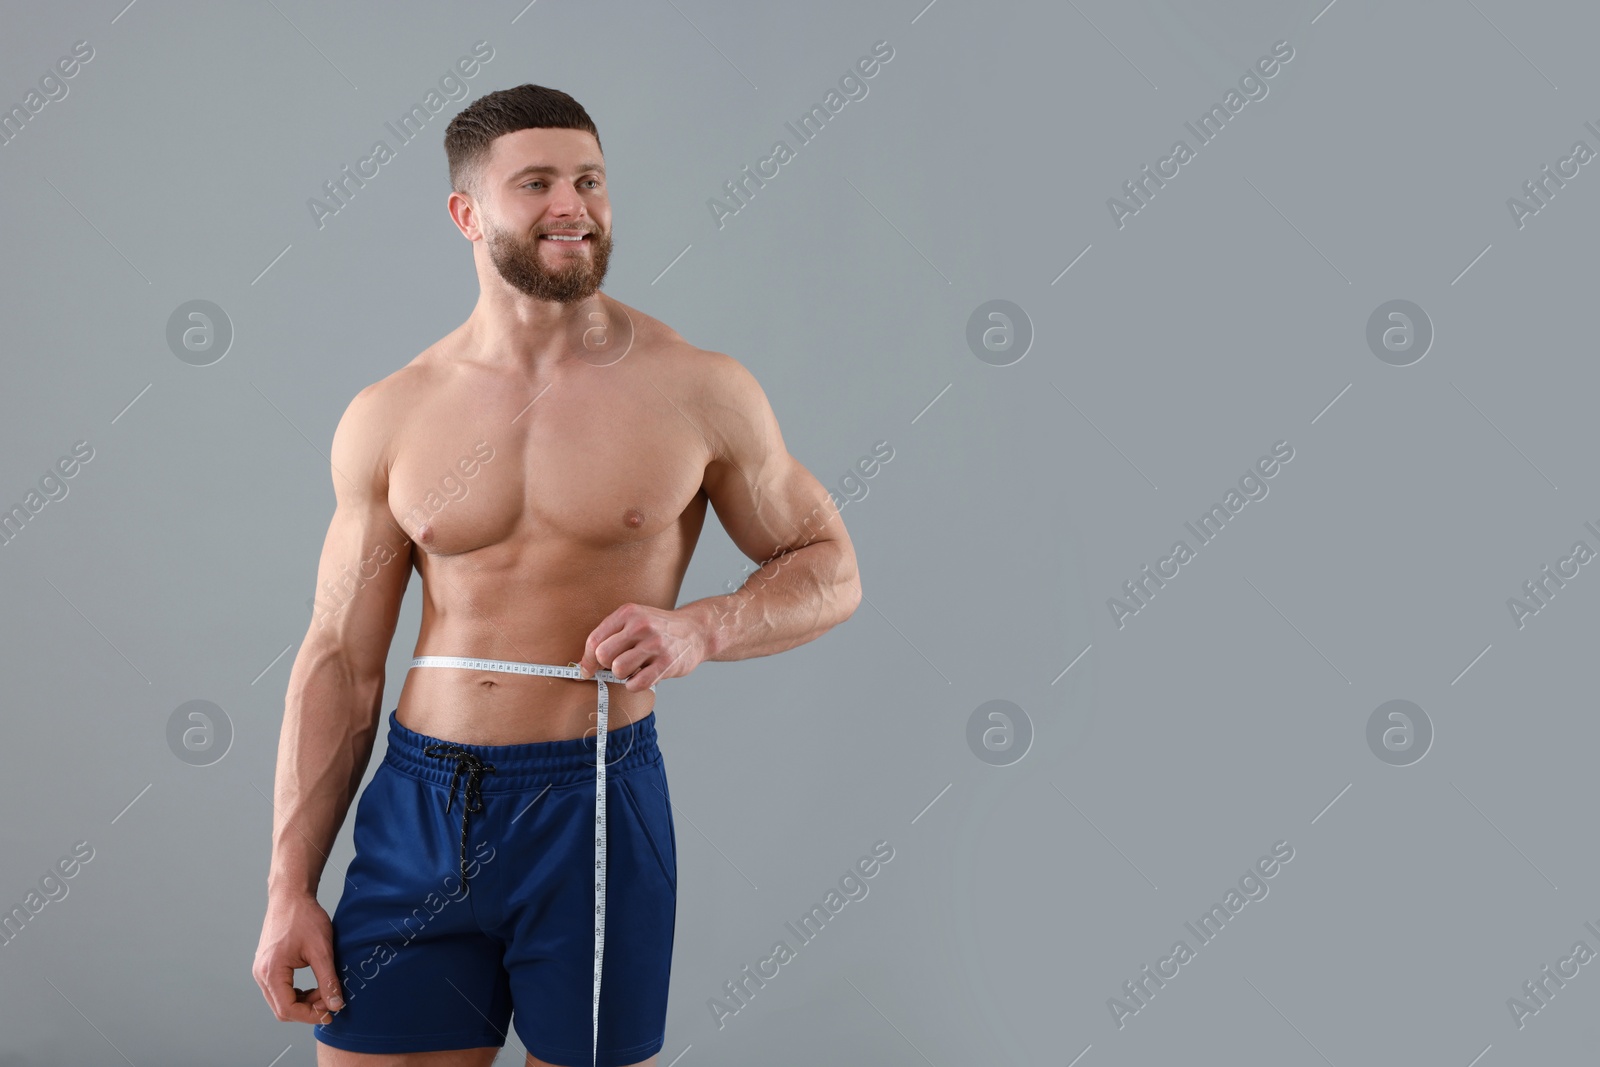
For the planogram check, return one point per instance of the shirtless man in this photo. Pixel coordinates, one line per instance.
(577, 443)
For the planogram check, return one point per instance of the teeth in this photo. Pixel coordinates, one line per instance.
(563, 237)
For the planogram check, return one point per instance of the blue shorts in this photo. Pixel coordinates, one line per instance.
(429, 961)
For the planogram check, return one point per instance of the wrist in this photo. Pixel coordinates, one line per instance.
(711, 617)
(286, 887)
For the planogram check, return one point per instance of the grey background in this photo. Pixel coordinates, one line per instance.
(1227, 315)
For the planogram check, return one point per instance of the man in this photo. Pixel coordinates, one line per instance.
(546, 467)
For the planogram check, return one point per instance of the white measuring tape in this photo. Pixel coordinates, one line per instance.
(602, 677)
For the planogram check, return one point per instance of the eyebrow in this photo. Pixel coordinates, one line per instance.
(545, 168)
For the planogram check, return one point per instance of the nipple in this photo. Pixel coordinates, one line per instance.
(424, 534)
(634, 517)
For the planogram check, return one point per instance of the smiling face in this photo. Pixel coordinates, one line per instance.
(546, 216)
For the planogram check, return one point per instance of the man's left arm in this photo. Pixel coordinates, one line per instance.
(780, 516)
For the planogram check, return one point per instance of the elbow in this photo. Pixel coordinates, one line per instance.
(850, 596)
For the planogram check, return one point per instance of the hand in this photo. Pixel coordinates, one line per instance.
(297, 933)
(644, 645)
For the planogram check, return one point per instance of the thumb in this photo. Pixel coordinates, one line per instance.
(320, 957)
(589, 664)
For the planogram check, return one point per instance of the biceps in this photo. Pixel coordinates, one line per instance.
(773, 509)
(361, 579)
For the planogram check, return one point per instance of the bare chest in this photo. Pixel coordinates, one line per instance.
(575, 463)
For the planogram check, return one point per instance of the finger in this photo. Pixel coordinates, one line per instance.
(295, 1011)
(591, 661)
(299, 1010)
(312, 1006)
(646, 676)
(320, 953)
(689, 654)
(627, 663)
(608, 641)
(281, 994)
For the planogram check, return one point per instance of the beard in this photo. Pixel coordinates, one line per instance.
(519, 261)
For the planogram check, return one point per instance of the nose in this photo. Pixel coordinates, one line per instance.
(565, 202)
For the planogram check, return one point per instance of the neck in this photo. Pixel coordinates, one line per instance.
(509, 328)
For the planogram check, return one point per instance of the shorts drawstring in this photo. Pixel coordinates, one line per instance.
(470, 764)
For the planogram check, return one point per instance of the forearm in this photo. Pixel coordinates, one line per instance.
(794, 598)
(329, 724)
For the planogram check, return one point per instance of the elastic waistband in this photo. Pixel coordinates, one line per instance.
(528, 765)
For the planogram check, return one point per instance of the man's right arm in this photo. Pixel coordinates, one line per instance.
(334, 704)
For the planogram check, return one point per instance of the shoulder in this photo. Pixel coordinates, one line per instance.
(730, 409)
(725, 400)
(705, 376)
(364, 441)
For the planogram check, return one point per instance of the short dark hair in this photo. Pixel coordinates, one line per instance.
(470, 133)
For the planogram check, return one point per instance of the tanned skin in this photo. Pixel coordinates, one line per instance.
(567, 545)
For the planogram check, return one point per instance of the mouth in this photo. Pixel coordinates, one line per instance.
(567, 238)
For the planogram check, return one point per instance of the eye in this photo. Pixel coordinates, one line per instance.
(535, 181)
